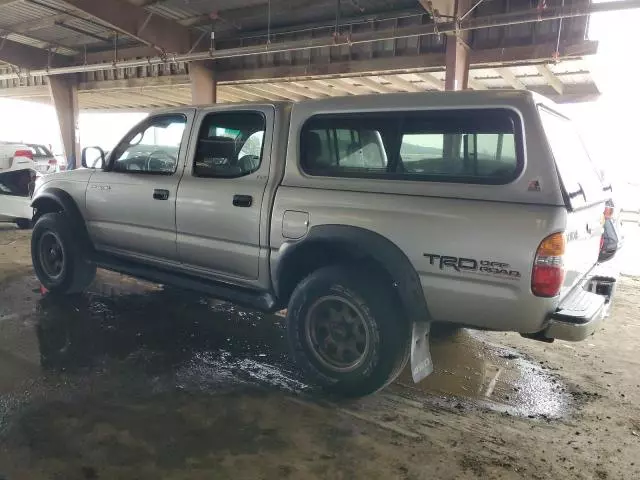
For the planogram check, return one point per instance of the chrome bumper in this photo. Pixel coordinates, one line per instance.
(580, 314)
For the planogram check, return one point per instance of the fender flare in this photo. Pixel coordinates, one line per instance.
(68, 205)
(364, 243)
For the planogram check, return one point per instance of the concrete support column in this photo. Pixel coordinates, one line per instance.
(457, 58)
(203, 83)
(64, 93)
(457, 54)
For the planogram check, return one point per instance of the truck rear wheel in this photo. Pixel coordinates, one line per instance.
(346, 332)
(59, 257)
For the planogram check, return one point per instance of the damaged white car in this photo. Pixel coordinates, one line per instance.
(16, 187)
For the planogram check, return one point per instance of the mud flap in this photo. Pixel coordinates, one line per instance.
(421, 364)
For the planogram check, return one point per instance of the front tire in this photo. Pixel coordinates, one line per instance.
(59, 257)
(345, 331)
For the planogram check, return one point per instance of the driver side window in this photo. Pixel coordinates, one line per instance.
(153, 147)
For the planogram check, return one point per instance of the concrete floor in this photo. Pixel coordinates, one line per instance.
(136, 381)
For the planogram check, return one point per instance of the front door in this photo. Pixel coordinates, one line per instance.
(220, 196)
(131, 206)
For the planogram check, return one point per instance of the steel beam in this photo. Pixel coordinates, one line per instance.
(136, 22)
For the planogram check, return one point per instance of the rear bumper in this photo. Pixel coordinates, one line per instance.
(580, 314)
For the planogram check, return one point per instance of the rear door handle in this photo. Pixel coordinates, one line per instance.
(160, 194)
(242, 200)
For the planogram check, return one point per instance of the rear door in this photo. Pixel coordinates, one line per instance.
(584, 196)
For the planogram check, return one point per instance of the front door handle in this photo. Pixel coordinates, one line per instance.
(242, 200)
(160, 194)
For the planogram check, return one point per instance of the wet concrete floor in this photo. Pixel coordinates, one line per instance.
(170, 375)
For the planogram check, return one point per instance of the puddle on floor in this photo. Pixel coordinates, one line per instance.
(140, 336)
(468, 366)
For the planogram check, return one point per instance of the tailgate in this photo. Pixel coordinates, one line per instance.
(584, 196)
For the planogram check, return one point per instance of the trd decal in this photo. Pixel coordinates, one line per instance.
(471, 265)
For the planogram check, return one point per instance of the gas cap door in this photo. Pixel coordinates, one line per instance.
(295, 224)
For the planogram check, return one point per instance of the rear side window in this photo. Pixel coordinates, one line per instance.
(578, 174)
(464, 146)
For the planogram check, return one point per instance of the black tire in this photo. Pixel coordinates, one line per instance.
(369, 300)
(76, 270)
(24, 223)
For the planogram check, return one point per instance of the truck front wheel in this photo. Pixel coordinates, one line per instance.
(346, 332)
(59, 257)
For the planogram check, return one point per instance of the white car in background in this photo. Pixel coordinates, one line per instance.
(17, 177)
(16, 188)
(45, 161)
(15, 156)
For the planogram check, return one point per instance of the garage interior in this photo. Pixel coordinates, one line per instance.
(140, 54)
(136, 381)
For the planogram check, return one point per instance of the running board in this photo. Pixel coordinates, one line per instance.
(259, 300)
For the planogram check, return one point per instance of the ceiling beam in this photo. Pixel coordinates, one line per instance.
(45, 44)
(510, 78)
(262, 89)
(345, 86)
(402, 84)
(240, 92)
(144, 82)
(320, 89)
(432, 80)
(31, 91)
(39, 23)
(371, 84)
(298, 90)
(550, 78)
(280, 90)
(26, 56)
(476, 84)
(152, 29)
(405, 63)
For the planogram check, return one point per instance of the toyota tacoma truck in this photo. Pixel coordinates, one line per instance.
(367, 218)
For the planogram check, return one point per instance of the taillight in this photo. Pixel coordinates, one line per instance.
(53, 162)
(24, 153)
(548, 267)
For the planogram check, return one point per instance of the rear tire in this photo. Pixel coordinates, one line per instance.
(24, 223)
(60, 258)
(345, 331)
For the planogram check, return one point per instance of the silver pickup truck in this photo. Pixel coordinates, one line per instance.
(366, 217)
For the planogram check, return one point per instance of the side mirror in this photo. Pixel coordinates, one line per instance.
(93, 157)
